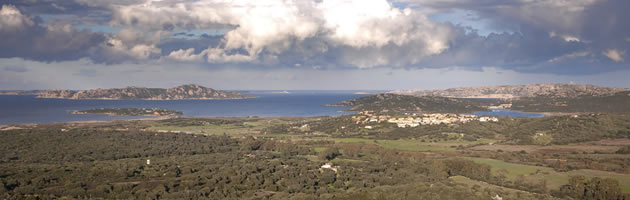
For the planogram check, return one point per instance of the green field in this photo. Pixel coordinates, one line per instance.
(319, 149)
(513, 170)
(554, 179)
(470, 182)
(232, 129)
(211, 129)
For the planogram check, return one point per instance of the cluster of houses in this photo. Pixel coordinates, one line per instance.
(414, 120)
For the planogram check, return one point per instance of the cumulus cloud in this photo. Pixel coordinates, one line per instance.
(263, 31)
(555, 36)
(11, 19)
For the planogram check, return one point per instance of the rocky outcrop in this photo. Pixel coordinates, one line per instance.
(190, 91)
(516, 91)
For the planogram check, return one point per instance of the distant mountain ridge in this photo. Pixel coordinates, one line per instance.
(517, 91)
(190, 91)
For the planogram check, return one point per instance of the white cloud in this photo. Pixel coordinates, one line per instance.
(263, 30)
(565, 37)
(614, 54)
(117, 47)
(187, 55)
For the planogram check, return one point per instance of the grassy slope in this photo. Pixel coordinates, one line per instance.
(554, 179)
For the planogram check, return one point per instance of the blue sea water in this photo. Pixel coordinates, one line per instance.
(26, 109)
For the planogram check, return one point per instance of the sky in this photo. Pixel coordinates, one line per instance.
(312, 44)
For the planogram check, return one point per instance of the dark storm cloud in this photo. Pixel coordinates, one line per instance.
(517, 51)
(551, 36)
(602, 22)
(26, 37)
(607, 24)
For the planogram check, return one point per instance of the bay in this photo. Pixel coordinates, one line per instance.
(27, 109)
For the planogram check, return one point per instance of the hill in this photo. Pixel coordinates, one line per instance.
(615, 103)
(190, 91)
(515, 91)
(424, 104)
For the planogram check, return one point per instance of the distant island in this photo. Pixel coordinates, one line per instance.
(190, 91)
(129, 112)
(569, 90)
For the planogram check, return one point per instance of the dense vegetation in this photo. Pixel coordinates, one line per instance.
(617, 103)
(130, 111)
(127, 159)
(542, 131)
(92, 163)
(395, 103)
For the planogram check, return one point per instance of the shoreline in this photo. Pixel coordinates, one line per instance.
(87, 121)
(156, 118)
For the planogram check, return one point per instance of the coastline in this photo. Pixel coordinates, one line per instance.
(6, 127)
(3, 126)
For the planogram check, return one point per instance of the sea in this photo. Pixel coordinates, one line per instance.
(27, 109)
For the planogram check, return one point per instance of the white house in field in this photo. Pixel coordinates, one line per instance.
(329, 165)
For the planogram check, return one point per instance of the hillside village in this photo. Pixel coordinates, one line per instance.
(414, 120)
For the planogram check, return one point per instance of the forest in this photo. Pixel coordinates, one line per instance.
(130, 160)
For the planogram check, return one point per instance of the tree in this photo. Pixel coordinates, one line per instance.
(596, 188)
(329, 154)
